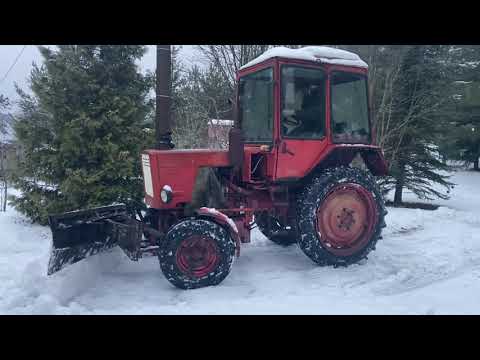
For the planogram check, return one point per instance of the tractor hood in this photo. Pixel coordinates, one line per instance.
(175, 172)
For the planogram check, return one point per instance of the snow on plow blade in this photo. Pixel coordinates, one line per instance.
(80, 234)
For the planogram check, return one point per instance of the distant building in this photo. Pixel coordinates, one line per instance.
(218, 133)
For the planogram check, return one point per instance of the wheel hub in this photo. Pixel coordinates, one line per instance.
(346, 219)
(197, 256)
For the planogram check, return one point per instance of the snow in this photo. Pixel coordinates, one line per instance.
(220, 122)
(321, 54)
(428, 262)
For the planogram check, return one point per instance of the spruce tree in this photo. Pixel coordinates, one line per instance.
(82, 129)
(421, 104)
(464, 140)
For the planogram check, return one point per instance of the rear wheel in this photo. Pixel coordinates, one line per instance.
(196, 253)
(341, 215)
(274, 230)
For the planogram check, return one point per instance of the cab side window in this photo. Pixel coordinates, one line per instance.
(303, 102)
(256, 106)
(349, 116)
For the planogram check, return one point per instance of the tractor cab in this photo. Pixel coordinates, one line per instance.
(295, 107)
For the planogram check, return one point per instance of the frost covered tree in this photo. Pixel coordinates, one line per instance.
(82, 129)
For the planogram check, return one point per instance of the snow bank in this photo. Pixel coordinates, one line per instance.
(312, 53)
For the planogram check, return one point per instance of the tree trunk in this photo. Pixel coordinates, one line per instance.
(3, 196)
(476, 165)
(397, 200)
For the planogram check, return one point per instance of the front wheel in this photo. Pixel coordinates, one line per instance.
(196, 253)
(341, 216)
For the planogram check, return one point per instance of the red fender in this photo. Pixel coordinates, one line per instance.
(222, 220)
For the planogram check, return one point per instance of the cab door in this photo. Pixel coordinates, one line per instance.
(256, 116)
(302, 111)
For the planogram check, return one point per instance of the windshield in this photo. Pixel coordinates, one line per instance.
(349, 118)
(256, 106)
(303, 102)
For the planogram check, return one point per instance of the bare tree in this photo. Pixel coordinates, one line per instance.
(385, 80)
(201, 96)
(230, 58)
(191, 124)
(193, 121)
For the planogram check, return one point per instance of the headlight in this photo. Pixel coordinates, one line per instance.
(166, 194)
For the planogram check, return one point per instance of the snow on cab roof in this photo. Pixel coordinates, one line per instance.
(322, 54)
(222, 122)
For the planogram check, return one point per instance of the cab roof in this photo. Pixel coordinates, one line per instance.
(322, 54)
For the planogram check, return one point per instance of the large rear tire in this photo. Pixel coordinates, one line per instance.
(196, 253)
(341, 216)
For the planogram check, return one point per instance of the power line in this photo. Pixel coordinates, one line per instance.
(14, 63)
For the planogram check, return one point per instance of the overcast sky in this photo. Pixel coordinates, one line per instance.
(21, 70)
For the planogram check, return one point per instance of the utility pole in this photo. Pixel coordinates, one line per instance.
(163, 129)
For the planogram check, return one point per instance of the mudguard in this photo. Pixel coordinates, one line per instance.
(222, 220)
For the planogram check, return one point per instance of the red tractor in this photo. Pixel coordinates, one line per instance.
(301, 166)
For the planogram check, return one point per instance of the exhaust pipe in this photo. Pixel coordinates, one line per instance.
(163, 131)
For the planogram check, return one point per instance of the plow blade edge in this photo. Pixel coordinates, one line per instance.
(80, 234)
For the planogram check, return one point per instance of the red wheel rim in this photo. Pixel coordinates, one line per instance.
(346, 219)
(197, 256)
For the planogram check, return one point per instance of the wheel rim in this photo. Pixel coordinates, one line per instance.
(346, 219)
(197, 256)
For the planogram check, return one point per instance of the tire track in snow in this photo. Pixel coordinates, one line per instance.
(443, 254)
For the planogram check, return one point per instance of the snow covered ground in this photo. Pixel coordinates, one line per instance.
(427, 263)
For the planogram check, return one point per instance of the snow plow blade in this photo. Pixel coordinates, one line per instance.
(80, 234)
